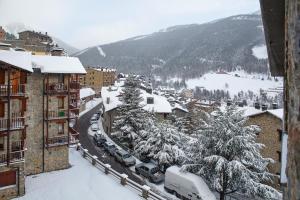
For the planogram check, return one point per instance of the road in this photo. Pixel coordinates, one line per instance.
(87, 142)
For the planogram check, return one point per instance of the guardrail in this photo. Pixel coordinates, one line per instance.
(144, 190)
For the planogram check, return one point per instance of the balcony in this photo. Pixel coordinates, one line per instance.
(57, 141)
(57, 114)
(16, 156)
(56, 88)
(74, 136)
(15, 90)
(16, 123)
(74, 86)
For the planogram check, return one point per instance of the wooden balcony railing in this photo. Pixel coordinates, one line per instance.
(74, 85)
(57, 141)
(15, 123)
(15, 90)
(15, 156)
(56, 88)
(57, 114)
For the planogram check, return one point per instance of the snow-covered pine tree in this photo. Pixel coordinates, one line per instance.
(227, 156)
(132, 120)
(163, 144)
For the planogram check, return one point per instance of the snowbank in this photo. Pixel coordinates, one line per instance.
(81, 181)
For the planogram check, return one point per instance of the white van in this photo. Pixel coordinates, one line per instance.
(186, 185)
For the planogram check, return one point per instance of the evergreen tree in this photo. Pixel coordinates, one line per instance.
(227, 156)
(132, 120)
(163, 144)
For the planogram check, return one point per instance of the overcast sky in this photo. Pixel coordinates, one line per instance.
(84, 23)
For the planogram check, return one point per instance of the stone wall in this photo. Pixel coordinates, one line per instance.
(293, 99)
(18, 189)
(270, 137)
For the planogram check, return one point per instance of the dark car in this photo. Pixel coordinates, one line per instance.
(150, 171)
(99, 139)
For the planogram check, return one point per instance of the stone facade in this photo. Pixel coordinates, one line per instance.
(40, 158)
(271, 138)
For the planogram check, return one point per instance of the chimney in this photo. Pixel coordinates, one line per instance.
(264, 107)
(257, 105)
(46, 33)
(107, 100)
(274, 106)
(150, 100)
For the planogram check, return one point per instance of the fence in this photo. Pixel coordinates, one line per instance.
(143, 190)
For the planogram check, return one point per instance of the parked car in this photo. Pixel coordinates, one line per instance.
(186, 185)
(95, 127)
(110, 147)
(150, 171)
(124, 158)
(99, 139)
(94, 120)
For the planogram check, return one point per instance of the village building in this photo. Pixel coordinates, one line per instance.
(36, 42)
(202, 105)
(270, 123)
(96, 78)
(39, 106)
(151, 103)
(282, 32)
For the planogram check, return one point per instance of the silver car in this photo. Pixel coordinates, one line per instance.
(150, 171)
(124, 158)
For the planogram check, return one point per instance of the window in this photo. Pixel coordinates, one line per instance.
(61, 128)
(279, 134)
(61, 102)
(61, 78)
(8, 178)
(1, 143)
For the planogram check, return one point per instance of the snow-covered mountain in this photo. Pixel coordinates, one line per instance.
(188, 51)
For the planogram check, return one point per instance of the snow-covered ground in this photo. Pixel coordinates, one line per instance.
(233, 84)
(90, 105)
(81, 181)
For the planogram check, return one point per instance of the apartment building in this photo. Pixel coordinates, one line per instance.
(39, 113)
(96, 78)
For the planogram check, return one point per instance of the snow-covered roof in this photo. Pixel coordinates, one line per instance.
(21, 60)
(47, 64)
(86, 92)
(160, 105)
(66, 184)
(58, 64)
(251, 111)
(180, 107)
